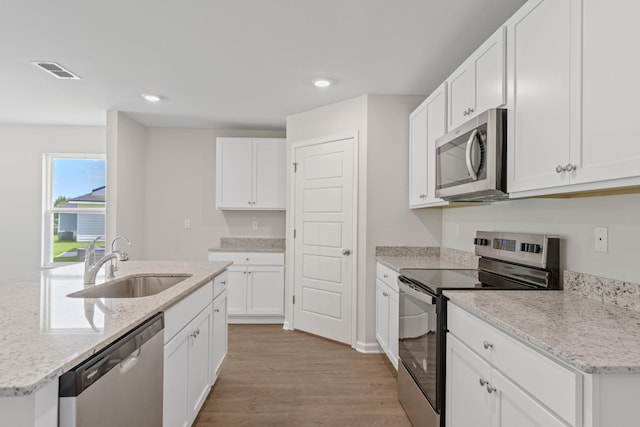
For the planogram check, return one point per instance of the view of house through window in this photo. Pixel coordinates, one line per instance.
(74, 206)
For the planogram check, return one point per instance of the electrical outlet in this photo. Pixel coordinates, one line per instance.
(187, 223)
(601, 239)
(254, 225)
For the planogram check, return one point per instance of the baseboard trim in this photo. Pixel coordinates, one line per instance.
(276, 320)
(287, 326)
(367, 348)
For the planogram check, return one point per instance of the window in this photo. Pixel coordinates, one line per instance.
(74, 203)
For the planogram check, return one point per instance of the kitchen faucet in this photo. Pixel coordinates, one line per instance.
(113, 266)
(91, 266)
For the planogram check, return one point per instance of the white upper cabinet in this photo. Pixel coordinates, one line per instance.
(543, 104)
(610, 91)
(572, 91)
(479, 83)
(250, 173)
(426, 123)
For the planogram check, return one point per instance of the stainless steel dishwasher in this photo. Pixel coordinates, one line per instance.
(118, 386)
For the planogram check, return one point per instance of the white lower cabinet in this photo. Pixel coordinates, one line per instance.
(505, 382)
(387, 307)
(186, 369)
(219, 334)
(195, 346)
(255, 286)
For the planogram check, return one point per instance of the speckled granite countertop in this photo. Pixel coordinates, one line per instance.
(43, 333)
(592, 336)
(397, 257)
(250, 244)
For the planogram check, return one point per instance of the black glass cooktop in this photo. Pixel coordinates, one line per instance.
(436, 280)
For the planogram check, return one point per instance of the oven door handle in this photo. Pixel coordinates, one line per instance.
(467, 157)
(409, 289)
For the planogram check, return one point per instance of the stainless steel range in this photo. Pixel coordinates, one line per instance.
(508, 261)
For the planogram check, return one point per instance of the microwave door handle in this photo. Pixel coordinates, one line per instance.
(467, 158)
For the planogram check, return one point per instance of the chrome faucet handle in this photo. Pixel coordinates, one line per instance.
(90, 254)
(121, 256)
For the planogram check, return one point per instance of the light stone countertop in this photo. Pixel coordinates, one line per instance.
(594, 337)
(44, 333)
(432, 262)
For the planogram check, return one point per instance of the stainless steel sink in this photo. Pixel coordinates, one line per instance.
(135, 286)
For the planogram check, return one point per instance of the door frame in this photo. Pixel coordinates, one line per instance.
(289, 321)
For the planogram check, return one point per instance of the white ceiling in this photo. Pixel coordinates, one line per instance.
(242, 64)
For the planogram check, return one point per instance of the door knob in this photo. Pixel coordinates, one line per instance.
(346, 252)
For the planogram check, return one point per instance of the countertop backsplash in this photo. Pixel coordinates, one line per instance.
(618, 292)
(252, 243)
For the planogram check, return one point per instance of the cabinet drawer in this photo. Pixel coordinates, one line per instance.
(179, 315)
(555, 386)
(249, 258)
(220, 283)
(387, 275)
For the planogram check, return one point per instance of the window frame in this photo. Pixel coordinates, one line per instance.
(48, 210)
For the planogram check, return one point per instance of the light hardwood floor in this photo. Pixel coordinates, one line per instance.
(273, 377)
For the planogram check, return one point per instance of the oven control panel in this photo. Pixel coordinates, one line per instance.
(536, 250)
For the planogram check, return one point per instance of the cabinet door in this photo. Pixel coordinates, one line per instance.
(219, 335)
(176, 381)
(382, 315)
(611, 89)
(428, 123)
(489, 65)
(394, 308)
(418, 157)
(461, 95)
(234, 173)
(516, 408)
(269, 189)
(541, 100)
(265, 290)
(468, 402)
(237, 286)
(199, 361)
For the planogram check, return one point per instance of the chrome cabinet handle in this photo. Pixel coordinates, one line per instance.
(346, 252)
(217, 310)
(384, 294)
(470, 111)
(223, 282)
(487, 345)
(467, 157)
(491, 389)
(560, 169)
(483, 382)
(195, 333)
(570, 167)
(386, 276)
(423, 196)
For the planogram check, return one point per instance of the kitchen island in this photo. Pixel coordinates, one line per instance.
(44, 333)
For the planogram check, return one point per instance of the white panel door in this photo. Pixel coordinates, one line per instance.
(540, 98)
(270, 173)
(323, 220)
(234, 175)
(199, 361)
(516, 408)
(468, 402)
(418, 157)
(265, 290)
(489, 63)
(237, 286)
(176, 381)
(461, 93)
(611, 90)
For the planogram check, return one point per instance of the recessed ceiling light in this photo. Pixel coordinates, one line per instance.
(151, 98)
(321, 82)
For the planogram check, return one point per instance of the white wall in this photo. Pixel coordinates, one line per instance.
(126, 185)
(572, 219)
(180, 184)
(382, 125)
(21, 170)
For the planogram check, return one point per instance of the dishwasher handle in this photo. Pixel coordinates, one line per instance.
(122, 352)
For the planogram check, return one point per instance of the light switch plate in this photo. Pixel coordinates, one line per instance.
(601, 239)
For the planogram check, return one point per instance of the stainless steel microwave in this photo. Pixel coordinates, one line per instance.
(471, 161)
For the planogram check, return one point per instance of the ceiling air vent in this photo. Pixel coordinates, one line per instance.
(56, 70)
